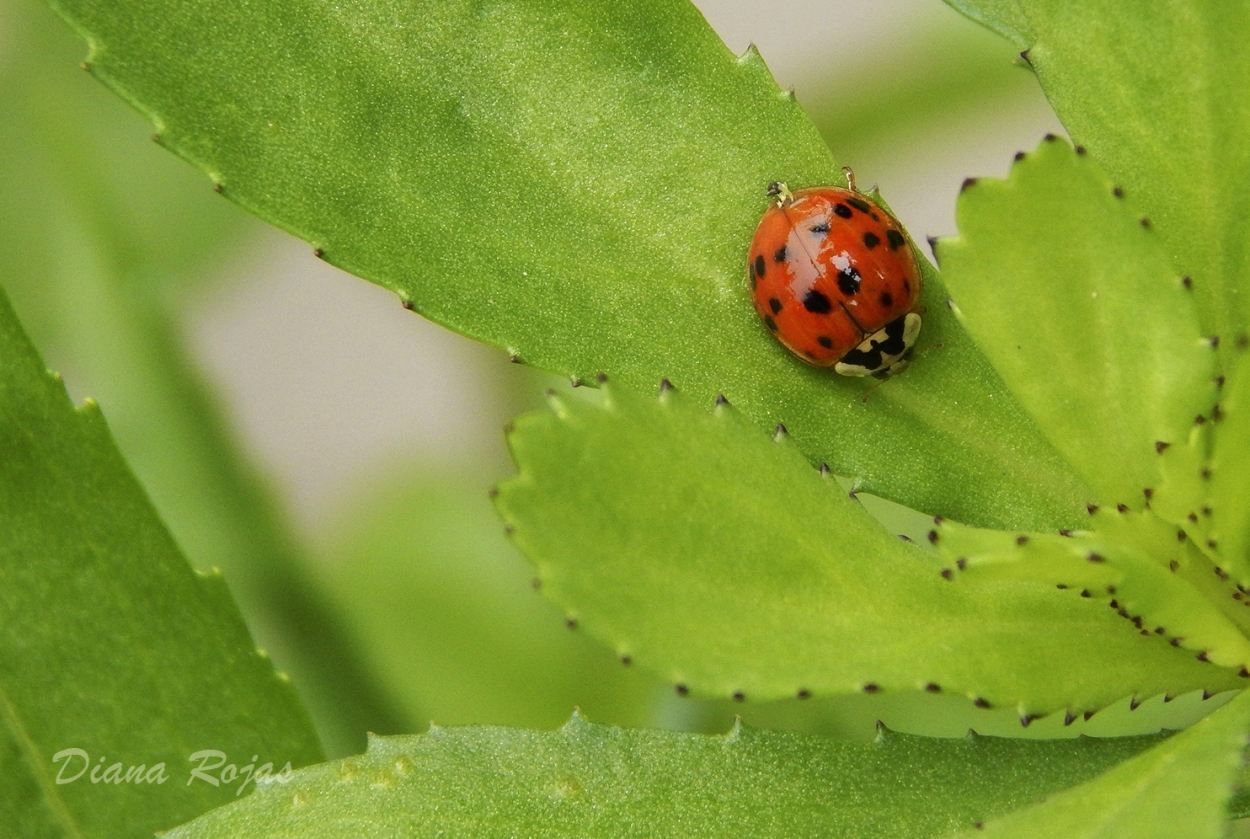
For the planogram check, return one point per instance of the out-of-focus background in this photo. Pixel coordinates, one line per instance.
(332, 452)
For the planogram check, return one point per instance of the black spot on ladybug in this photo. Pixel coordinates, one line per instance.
(848, 283)
(906, 285)
(759, 266)
(774, 304)
(886, 299)
(770, 323)
(859, 204)
(894, 239)
(825, 341)
(820, 229)
(780, 255)
(753, 281)
(842, 211)
(816, 302)
(871, 240)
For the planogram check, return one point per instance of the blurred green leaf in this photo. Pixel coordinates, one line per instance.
(576, 183)
(110, 642)
(1177, 790)
(1161, 98)
(1076, 306)
(100, 233)
(595, 781)
(755, 575)
(447, 614)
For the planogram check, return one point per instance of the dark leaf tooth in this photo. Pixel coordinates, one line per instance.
(981, 703)
(1069, 718)
(721, 400)
(1118, 192)
(781, 430)
(1134, 703)
(1025, 56)
(948, 574)
(1243, 672)
(938, 519)
(1173, 565)
(571, 623)
(968, 182)
(1084, 592)
(601, 378)
(739, 696)
(1145, 222)
(1019, 156)
(536, 584)
(871, 688)
(1026, 720)
(1050, 138)
(1022, 540)
(1161, 446)
(1088, 715)
(1148, 493)
(407, 304)
(682, 690)
(1159, 630)
(1214, 341)
(665, 386)
(1080, 150)
(1187, 282)
(933, 687)
(1065, 532)
(824, 468)
(626, 660)
(1095, 557)
(961, 563)
(1206, 694)
(1181, 536)
(1176, 642)
(1123, 508)
(1167, 697)
(1091, 508)
(1219, 381)
(933, 536)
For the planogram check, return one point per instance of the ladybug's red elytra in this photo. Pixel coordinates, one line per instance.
(835, 280)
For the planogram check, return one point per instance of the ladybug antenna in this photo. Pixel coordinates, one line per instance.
(781, 192)
(850, 178)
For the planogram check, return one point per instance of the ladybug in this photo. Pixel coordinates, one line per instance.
(835, 280)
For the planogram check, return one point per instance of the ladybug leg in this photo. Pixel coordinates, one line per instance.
(781, 192)
(850, 178)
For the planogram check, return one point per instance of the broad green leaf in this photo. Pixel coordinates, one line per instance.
(101, 232)
(109, 642)
(692, 543)
(575, 182)
(1161, 98)
(588, 780)
(1009, 18)
(447, 615)
(1077, 307)
(1227, 517)
(1131, 561)
(1177, 790)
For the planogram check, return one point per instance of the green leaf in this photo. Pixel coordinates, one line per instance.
(1132, 561)
(720, 559)
(446, 613)
(1227, 517)
(575, 182)
(1159, 97)
(1177, 790)
(101, 232)
(588, 780)
(110, 642)
(1009, 18)
(1077, 307)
